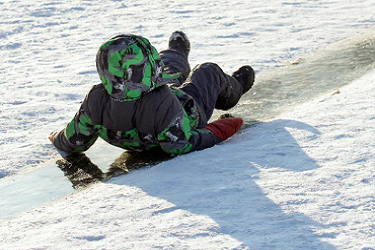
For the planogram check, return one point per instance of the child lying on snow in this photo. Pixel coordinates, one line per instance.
(148, 100)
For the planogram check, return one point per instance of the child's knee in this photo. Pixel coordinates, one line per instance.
(208, 66)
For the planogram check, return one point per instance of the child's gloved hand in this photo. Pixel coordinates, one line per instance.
(225, 128)
(52, 135)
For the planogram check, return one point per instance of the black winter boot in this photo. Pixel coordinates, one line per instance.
(246, 76)
(179, 41)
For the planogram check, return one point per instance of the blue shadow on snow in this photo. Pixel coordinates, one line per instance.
(226, 189)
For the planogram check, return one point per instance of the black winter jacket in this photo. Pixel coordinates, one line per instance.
(164, 117)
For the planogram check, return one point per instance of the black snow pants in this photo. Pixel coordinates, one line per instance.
(209, 86)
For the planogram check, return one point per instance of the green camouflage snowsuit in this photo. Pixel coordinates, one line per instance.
(139, 106)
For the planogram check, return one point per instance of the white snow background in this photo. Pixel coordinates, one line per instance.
(304, 180)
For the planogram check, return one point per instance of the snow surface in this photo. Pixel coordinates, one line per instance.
(304, 180)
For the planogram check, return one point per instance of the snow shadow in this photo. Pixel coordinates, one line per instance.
(221, 183)
(272, 145)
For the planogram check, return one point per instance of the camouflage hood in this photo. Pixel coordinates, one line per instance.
(129, 67)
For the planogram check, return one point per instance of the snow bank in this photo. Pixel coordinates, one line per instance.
(302, 181)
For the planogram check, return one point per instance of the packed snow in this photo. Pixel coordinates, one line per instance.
(302, 180)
